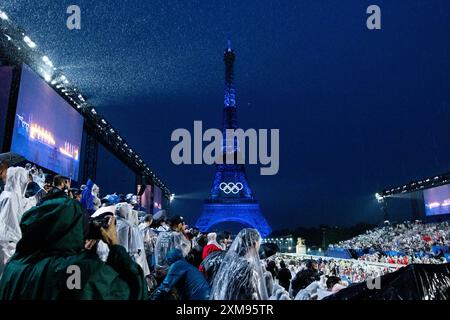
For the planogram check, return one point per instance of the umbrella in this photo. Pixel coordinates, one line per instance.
(11, 158)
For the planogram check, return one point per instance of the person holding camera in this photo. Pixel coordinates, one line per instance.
(56, 259)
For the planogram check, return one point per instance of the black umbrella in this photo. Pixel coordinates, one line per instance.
(11, 158)
(267, 250)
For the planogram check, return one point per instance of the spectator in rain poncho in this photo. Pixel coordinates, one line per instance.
(211, 246)
(412, 239)
(334, 284)
(172, 239)
(13, 204)
(96, 194)
(210, 266)
(305, 277)
(133, 200)
(89, 197)
(240, 276)
(129, 235)
(149, 237)
(269, 282)
(54, 238)
(160, 221)
(184, 277)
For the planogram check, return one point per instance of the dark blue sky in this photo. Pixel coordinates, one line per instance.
(357, 110)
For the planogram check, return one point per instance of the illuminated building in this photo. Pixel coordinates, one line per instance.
(231, 198)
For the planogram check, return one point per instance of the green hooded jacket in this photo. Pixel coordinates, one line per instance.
(50, 259)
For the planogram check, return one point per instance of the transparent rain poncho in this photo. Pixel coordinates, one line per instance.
(13, 205)
(269, 282)
(129, 235)
(170, 240)
(240, 276)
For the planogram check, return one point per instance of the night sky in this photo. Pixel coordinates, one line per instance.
(357, 110)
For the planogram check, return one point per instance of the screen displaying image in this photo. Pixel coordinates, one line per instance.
(145, 200)
(437, 200)
(47, 130)
(157, 198)
(5, 87)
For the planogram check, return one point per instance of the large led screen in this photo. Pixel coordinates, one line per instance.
(47, 130)
(437, 200)
(157, 199)
(145, 200)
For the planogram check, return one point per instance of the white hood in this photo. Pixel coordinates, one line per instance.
(13, 204)
(16, 180)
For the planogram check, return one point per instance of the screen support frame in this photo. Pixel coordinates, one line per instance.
(12, 107)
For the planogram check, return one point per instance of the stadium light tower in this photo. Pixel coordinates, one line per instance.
(379, 197)
(383, 204)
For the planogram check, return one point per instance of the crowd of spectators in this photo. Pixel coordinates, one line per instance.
(404, 243)
(314, 277)
(60, 242)
(49, 231)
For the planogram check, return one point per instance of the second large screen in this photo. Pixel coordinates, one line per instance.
(47, 130)
(437, 200)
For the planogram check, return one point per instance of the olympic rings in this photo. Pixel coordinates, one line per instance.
(231, 187)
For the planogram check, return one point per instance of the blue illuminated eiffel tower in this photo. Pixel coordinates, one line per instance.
(231, 198)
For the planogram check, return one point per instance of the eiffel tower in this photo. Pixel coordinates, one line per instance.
(231, 198)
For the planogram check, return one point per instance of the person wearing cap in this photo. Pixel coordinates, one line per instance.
(174, 238)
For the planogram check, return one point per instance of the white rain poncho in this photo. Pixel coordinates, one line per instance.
(170, 240)
(96, 199)
(240, 276)
(149, 237)
(269, 282)
(129, 235)
(102, 250)
(212, 239)
(13, 204)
